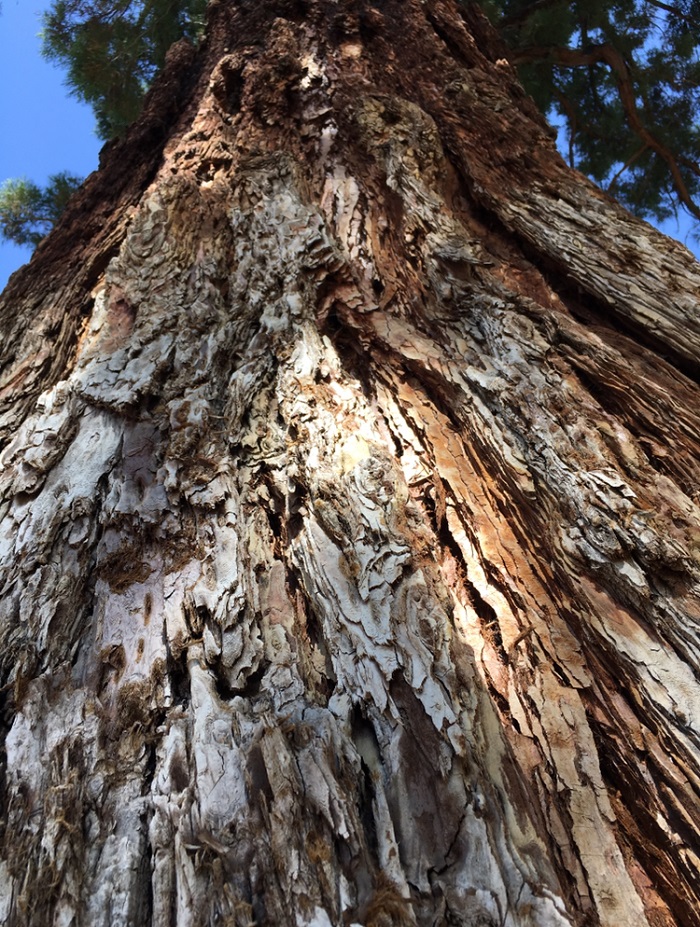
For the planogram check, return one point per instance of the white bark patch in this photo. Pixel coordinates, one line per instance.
(349, 572)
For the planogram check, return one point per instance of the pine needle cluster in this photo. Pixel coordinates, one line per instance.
(112, 49)
(623, 79)
(28, 211)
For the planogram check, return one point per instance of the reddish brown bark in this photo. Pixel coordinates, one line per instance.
(349, 532)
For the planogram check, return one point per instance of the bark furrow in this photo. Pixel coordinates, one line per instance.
(349, 546)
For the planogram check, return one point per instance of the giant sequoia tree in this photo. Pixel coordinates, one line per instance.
(349, 542)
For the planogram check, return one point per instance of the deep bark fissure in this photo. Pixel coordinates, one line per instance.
(643, 834)
(595, 315)
(381, 599)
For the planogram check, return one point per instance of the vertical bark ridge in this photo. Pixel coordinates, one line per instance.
(349, 567)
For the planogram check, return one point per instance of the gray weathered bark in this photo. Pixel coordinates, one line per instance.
(349, 535)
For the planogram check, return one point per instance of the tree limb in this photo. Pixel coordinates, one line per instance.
(668, 8)
(573, 58)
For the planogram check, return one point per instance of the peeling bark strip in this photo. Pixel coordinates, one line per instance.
(349, 528)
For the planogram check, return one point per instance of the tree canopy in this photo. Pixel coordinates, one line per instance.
(623, 78)
(112, 49)
(28, 211)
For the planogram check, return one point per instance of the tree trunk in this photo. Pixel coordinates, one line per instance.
(349, 543)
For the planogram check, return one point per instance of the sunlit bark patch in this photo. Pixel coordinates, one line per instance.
(349, 533)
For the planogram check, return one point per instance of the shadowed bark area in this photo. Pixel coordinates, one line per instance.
(349, 531)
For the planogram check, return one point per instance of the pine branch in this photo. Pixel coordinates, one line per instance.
(674, 11)
(573, 58)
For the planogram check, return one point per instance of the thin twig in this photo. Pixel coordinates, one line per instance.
(628, 163)
(668, 8)
(573, 123)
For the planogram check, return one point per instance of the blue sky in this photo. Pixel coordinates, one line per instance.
(44, 130)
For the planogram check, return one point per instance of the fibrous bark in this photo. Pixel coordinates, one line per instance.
(349, 534)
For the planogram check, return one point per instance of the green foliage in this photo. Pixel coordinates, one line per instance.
(623, 75)
(112, 49)
(27, 211)
(625, 78)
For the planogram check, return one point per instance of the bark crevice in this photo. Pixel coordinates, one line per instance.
(349, 553)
